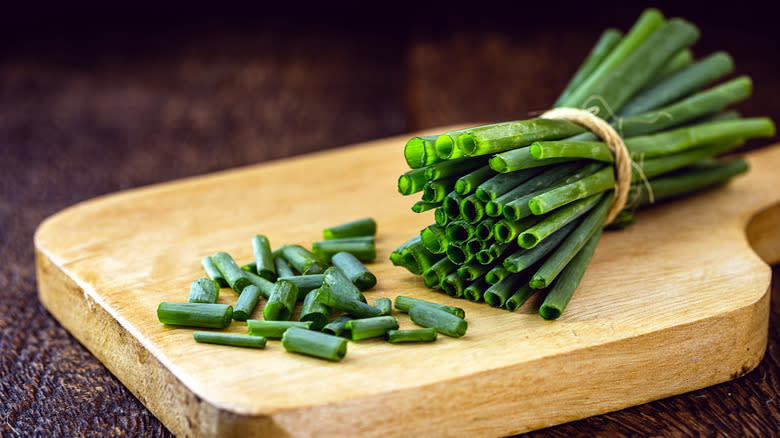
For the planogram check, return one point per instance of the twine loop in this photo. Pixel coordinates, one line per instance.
(614, 142)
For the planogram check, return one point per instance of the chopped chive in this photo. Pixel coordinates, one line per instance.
(337, 281)
(484, 257)
(250, 267)
(282, 268)
(314, 311)
(476, 290)
(459, 231)
(498, 249)
(354, 270)
(557, 219)
(497, 294)
(384, 305)
(434, 238)
(451, 206)
(420, 152)
(440, 216)
(524, 258)
(195, 314)
(231, 339)
(305, 283)
(317, 344)
(411, 181)
(212, 271)
(502, 183)
(421, 206)
(203, 290)
(302, 260)
(337, 326)
(234, 275)
(453, 168)
(404, 303)
(453, 285)
(519, 297)
(468, 183)
(475, 245)
(457, 254)
(246, 303)
(345, 303)
(490, 139)
(263, 260)
(429, 316)
(436, 191)
(416, 335)
(371, 327)
(360, 227)
(417, 259)
(363, 248)
(274, 329)
(472, 271)
(265, 286)
(434, 276)
(446, 147)
(281, 303)
(472, 209)
(496, 275)
(484, 229)
(396, 257)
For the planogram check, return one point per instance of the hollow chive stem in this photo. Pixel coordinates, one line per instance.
(302, 260)
(314, 311)
(606, 43)
(562, 290)
(496, 275)
(420, 152)
(600, 181)
(451, 207)
(557, 219)
(411, 181)
(467, 184)
(484, 229)
(525, 258)
(457, 254)
(679, 61)
(562, 255)
(459, 231)
(435, 239)
(440, 216)
(692, 180)
(483, 140)
(436, 191)
(446, 147)
(335, 280)
(476, 290)
(472, 271)
(212, 271)
(404, 304)
(505, 231)
(354, 270)
(274, 329)
(422, 206)
(453, 168)
(234, 275)
(434, 276)
(347, 304)
(453, 285)
(472, 210)
(519, 298)
(416, 335)
(357, 228)
(416, 258)
(281, 303)
(502, 183)
(282, 268)
(203, 290)
(337, 326)
(305, 283)
(246, 303)
(251, 267)
(653, 167)
(385, 305)
(497, 294)
(475, 245)
(195, 314)
(371, 327)
(363, 248)
(429, 316)
(515, 160)
(230, 339)
(311, 343)
(263, 260)
(396, 257)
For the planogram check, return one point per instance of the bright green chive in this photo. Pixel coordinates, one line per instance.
(363, 248)
(484, 229)
(416, 335)
(453, 285)
(263, 260)
(246, 303)
(519, 297)
(600, 181)
(420, 152)
(497, 294)
(404, 304)
(506, 230)
(608, 40)
(445, 145)
(230, 271)
(336, 281)
(213, 272)
(434, 239)
(371, 327)
(520, 159)
(274, 329)
(440, 216)
(484, 257)
(337, 326)
(472, 271)
(396, 257)
(475, 245)
(195, 314)
(476, 290)
(453, 168)
(557, 219)
(314, 311)
(421, 206)
(502, 183)
(203, 290)
(250, 267)
(354, 270)
(436, 191)
(498, 249)
(417, 259)
(324, 346)
(265, 286)
(459, 231)
(282, 267)
(679, 61)
(496, 275)
(467, 184)
(451, 206)
(384, 305)
(282, 301)
(525, 258)
(338, 300)
(302, 260)
(434, 276)
(411, 181)
(472, 210)
(231, 339)
(458, 255)
(429, 316)
(490, 139)
(360, 227)
(305, 283)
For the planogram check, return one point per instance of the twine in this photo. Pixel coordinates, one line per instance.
(615, 144)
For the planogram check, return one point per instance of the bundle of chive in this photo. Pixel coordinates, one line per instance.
(520, 206)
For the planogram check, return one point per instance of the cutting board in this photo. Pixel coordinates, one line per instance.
(677, 302)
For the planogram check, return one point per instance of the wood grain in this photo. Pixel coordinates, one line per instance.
(675, 303)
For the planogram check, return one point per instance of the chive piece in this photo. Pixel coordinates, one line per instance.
(281, 303)
(453, 168)
(302, 260)
(282, 268)
(557, 219)
(502, 183)
(263, 260)
(563, 289)
(475, 245)
(518, 298)
(484, 257)
(234, 275)
(335, 280)
(347, 304)
(434, 238)
(250, 267)
(246, 303)
(416, 335)
(472, 209)
(363, 248)
(524, 258)
(445, 145)
(476, 290)
(203, 290)
(600, 181)
(505, 230)
(371, 327)
(324, 346)
(608, 40)
(337, 326)
(457, 254)
(434, 276)
(404, 303)
(195, 314)
(440, 216)
(396, 257)
(274, 329)
(429, 316)
(360, 227)
(484, 229)
(314, 311)
(417, 259)
(472, 271)
(453, 285)
(496, 275)
(498, 249)
(305, 283)
(468, 183)
(265, 286)
(459, 231)
(231, 339)
(354, 270)
(558, 260)
(436, 191)
(411, 181)
(421, 206)
(420, 152)
(497, 294)
(384, 305)
(451, 206)
(490, 139)
(212, 271)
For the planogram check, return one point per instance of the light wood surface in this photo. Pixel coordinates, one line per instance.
(674, 303)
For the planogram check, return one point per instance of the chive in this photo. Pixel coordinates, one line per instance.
(606, 43)
(371, 327)
(314, 311)
(505, 231)
(363, 248)
(434, 239)
(472, 209)
(195, 314)
(416, 335)
(338, 300)
(483, 140)
(297, 340)
(459, 231)
(230, 271)
(335, 280)
(411, 181)
(502, 183)
(451, 206)
(557, 219)
(692, 179)
(458, 255)
(360, 227)
(563, 289)
(305, 283)
(420, 152)
(472, 271)
(404, 303)
(421, 206)
(679, 61)
(475, 245)
(519, 159)
(496, 275)
(337, 326)
(396, 257)
(203, 290)
(265, 286)
(484, 229)
(263, 260)
(354, 270)
(525, 258)
(558, 260)
(436, 191)
(498, 249)
(250, 267)
(484, 257)
(302, 260)
(453, 168)
(231, 339)
(281, 303)
(282, 268)
(518, 298)
(497, 294)
(600, 181)
(384, 305)
(476, 290)
(445, 145)
(660, 165)
(246, 303)
(273, 329)
(417, 259)
(453, 285)
(213, 272)
(468, 183)
(434, 276)
(429, 316)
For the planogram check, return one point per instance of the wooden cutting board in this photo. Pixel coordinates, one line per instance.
(677, 302)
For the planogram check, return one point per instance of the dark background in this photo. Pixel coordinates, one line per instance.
(95, 99)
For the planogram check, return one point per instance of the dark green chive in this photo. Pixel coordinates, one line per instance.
(231, 339)
(203, 290)
(195, 314)
(317, 344)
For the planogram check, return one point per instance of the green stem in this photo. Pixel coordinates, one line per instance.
(321, 345)
(230, 339)
(468, 183)
(420, 152)
(606, 43)
(484, 140)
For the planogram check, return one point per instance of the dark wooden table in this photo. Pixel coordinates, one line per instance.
(92, 102)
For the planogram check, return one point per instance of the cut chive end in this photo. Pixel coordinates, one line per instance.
(527, 240)
(444, 146)
(493, 299)
(498, 164)
(462, 187)
(535, 208)
(549, 312)
(537, 283)
(414, 152)
(467, 144)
